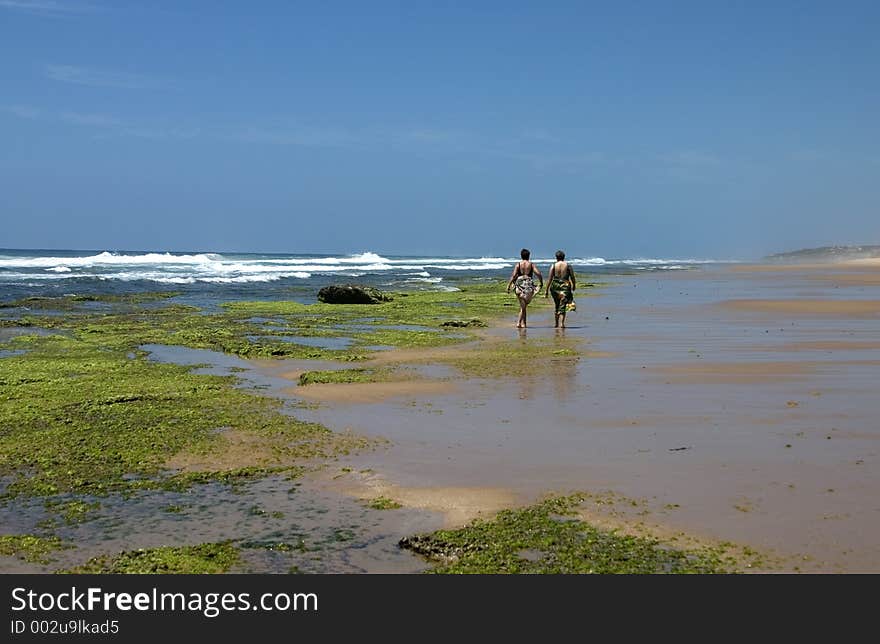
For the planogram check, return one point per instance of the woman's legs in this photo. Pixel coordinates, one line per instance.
(556, 296)
(523, 303)
(562, 297)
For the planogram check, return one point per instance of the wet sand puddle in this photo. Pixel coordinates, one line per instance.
(280, 526)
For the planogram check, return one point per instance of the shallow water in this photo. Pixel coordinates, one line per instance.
(322, 342)
(386, 327)
(8, 333)
(317, 531)
(216, 363)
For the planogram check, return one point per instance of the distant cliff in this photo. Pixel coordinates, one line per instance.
(826, 254)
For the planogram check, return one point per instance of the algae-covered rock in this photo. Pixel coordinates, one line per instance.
(351, 294)
(464, 323)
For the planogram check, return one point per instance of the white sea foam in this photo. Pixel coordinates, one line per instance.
(426, 280)
(647, 261)
(166, 280)
(441, 261)
(242, 279)
(213, 268)
(162, 278)
(590, 261)
(106, 258)
(470, 266)
(15, 277)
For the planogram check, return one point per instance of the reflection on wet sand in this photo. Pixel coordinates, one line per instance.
(370, 392)
(563, 379)
(559, 379)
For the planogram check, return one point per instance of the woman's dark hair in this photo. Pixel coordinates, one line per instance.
(524, 253)
(559, 255)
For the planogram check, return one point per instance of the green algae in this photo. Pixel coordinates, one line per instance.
(517, 357)
(474, 322)
(185, 480)
(73, 511)
(177, 325)
(71, 302)
(430, 309)
(275, 546)
(383, 503)
(77, 415)
(235, 330)
(31, 548)
(440, 318)
(401, 338)
(547, 538)
(341, 376)
(205, 558)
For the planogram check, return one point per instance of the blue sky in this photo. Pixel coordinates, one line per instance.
(700, 129)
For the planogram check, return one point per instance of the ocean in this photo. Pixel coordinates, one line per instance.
(205, 277)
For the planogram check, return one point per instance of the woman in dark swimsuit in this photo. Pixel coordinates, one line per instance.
(561, 283)
(522, 279)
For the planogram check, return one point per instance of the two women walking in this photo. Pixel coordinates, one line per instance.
(560, 283)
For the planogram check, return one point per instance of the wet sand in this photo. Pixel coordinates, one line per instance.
(840, 308)
(856, 272)
(456, 505)
(370, 392)
(683, 407)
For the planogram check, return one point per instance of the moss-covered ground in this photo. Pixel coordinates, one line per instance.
(77, 415)
(342, 376)
(205, 558)
(548, 538)
(31, 548)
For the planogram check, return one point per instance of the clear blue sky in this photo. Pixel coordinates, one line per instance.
(701, 129)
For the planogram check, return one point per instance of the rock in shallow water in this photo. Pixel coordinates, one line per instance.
(351, 294)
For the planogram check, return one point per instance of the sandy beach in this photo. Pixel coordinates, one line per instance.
(732, 404)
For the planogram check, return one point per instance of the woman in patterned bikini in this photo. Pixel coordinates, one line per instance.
(523, 282)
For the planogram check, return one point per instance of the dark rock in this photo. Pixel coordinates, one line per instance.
(351, 294)
(431, 548)
(464, 323)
